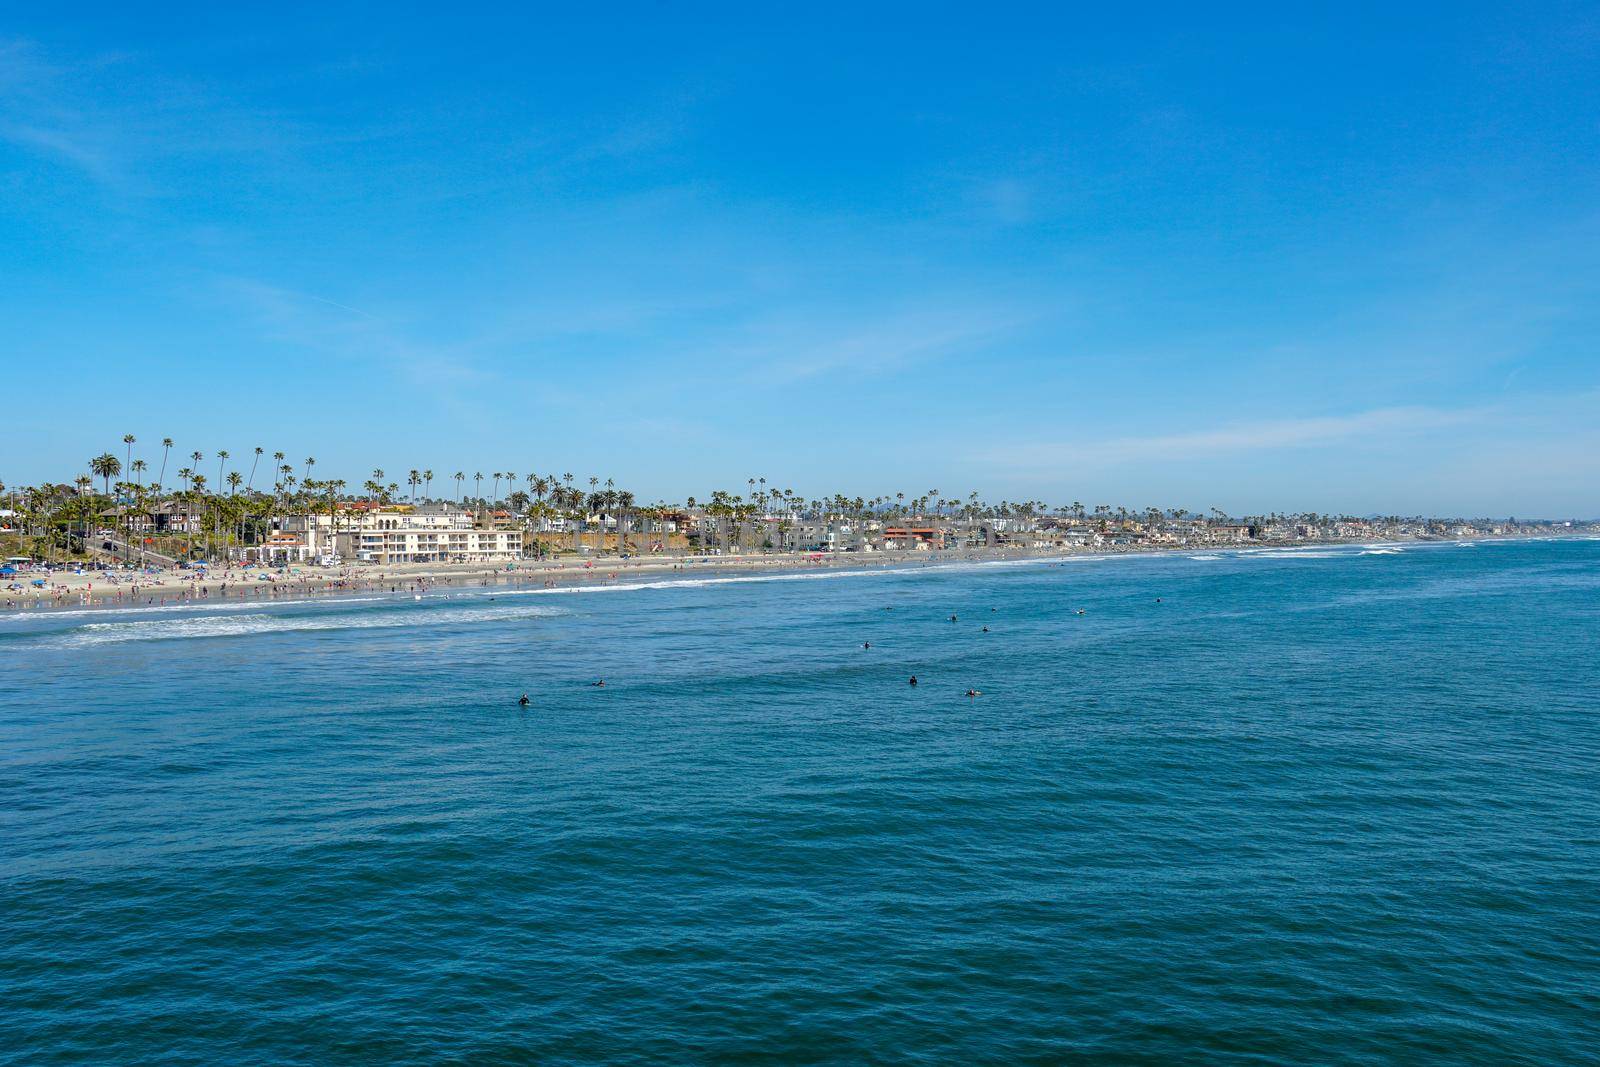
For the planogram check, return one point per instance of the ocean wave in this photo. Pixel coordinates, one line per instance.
(892, 569)
(99, 633)
(1296, 553)
(188, 607)
(1205, 558)
(692, 583)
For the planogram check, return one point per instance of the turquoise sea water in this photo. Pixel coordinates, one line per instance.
(1335, 806)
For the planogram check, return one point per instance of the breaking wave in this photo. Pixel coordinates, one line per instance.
(99, 633)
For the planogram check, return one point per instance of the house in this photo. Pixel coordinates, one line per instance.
(913, 537)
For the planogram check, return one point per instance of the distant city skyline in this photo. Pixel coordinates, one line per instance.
(1257, 260)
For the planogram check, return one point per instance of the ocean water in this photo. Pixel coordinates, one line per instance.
(1334, 806)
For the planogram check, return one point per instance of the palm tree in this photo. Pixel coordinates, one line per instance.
(625, 509)
(198, 492)
(459, 477)
(414, 479)
(128, 440)
(106, 466)
(166, 446)
(222, 460)
(251, 483)
(311, 461)
(595, 504)
(333, 485)
(427, 485)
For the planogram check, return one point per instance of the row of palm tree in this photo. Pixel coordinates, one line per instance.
(231, 510)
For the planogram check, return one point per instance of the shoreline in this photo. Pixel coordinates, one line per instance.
(101, 590)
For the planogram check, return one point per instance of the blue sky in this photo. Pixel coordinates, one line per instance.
(1341, 261)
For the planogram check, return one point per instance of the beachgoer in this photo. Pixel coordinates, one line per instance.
(523, 700)
(913, 679)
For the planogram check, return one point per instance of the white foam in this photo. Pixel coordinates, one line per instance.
(188, 607)
(1205, 558)
(895, 569)
(1295, 553)
(99, 633)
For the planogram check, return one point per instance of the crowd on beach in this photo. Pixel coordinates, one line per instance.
(104, 585)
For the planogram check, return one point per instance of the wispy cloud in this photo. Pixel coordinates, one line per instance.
(791, 352)
(331, 328)
(1376, 425)
(39, 115)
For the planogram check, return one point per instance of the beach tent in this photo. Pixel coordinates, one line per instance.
(7, 571)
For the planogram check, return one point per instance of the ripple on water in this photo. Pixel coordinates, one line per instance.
(1334, 812)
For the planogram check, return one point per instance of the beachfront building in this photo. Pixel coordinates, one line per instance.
(913, 537)
(428, 534)
(168, 517)
(279, 548)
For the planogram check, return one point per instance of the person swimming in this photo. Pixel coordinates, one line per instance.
(523, 700)
(952, 618)
(974, 692)
(598, 683)
(985, 629)
(913, 679)
(866, 644)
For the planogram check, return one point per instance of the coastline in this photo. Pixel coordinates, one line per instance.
(100, 590)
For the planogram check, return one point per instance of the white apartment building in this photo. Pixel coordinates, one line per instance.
(427, 535)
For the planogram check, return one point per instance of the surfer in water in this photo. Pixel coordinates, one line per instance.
(913, 679)
(598, 683)
(523, 700)
(974, 692)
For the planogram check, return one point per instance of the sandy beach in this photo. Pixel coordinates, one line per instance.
(68, 590)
